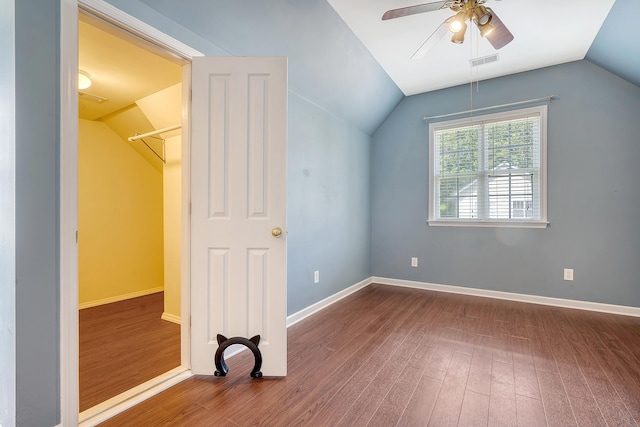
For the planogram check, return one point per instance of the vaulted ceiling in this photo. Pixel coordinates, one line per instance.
(345, 59)
(546, 32)
(616, 46)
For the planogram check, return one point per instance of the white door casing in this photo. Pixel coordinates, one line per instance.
(69, 205)
(238, 189)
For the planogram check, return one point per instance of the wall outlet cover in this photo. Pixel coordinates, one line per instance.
(568, 274)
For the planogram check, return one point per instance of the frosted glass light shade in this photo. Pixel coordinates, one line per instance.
(84, 81)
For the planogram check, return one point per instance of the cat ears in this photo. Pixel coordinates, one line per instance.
(222, 338)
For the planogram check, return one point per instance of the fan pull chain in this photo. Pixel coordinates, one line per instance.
(470, 74)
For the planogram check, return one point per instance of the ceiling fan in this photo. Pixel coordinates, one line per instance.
(490, 26)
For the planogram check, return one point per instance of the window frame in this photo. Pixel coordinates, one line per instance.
(542, 222)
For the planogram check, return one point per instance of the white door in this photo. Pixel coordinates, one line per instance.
(238, 188)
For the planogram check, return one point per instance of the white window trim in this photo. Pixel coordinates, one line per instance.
(505, 115)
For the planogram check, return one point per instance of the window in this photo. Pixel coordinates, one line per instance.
(489, 170)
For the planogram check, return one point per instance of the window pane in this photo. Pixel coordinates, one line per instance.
(449, 207)
(488, 167)
(499, 207)
(511, 143)
(508, 193)
(457, 150)
(458, 197)
(468, 207)
(448, 187)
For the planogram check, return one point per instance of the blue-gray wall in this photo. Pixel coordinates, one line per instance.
(328, 65)
(37, 147)
(338, 96)
(7, 216)
(327, 204)
(593, 193)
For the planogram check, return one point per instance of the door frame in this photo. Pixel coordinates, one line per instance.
(68, 187)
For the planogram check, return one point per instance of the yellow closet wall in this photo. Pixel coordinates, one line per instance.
(164, 109)
(172, 227)
(120, 218)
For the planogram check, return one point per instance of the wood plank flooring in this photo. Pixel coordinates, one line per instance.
(122, 345)
(388, 356)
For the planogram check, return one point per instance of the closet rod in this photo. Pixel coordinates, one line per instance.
(155, 132)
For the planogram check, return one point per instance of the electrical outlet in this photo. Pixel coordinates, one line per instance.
(414, 262)
(316, 276)
(568, 274)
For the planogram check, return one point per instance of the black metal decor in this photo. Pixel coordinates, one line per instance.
(251, 344)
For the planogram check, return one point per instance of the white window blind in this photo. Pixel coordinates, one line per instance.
(489, 169)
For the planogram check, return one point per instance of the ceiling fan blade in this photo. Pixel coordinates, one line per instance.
(433, 39)
(412, 10)
(500, 36)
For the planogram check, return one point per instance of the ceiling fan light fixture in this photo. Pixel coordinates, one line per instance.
(458, 38)
(84, 80)
(486, 29)
(482, 16)
(458, 23)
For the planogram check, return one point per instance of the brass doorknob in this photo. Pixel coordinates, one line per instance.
(276, 231)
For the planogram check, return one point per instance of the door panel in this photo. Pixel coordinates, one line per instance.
(238, 188)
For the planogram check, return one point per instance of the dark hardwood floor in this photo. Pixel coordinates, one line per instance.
(122, 345)
(388, 356)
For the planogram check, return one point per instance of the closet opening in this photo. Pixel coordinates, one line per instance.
(129, 212)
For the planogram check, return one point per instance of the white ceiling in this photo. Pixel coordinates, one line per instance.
(122, 71)
(547, 32)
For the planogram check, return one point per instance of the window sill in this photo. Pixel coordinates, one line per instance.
(488, 223)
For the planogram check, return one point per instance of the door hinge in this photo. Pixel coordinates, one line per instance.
(76, 236)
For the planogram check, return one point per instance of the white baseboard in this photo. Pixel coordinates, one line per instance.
(120, 403)
(170, 317)
(314, 308)
(511, 296)
(117, 298)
